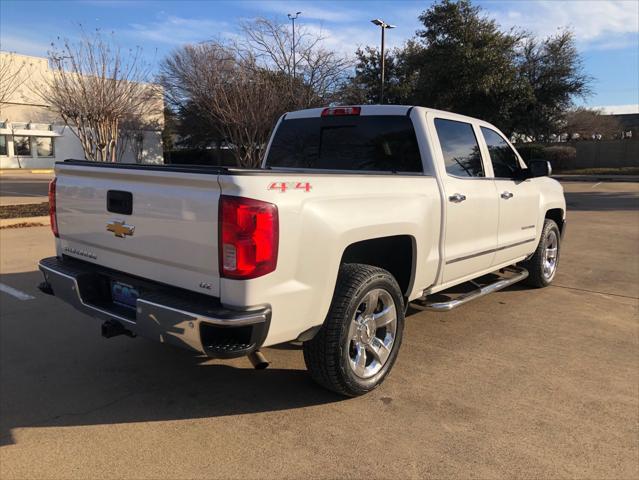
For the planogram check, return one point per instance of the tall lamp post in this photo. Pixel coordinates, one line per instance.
(383, 25)
(292, 18)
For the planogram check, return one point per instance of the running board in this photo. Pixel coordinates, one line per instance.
(520, 274)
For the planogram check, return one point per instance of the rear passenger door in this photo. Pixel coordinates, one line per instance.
(470, 199)
(518, 200)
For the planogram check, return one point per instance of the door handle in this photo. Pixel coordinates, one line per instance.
(457, 198)
(506, 195)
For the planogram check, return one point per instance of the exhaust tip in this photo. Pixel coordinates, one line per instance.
(258, 360)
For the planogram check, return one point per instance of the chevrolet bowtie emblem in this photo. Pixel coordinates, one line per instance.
(120, 229)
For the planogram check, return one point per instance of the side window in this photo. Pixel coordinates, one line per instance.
(460, 148)
(504, 159)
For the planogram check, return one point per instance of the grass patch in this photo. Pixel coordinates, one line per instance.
(28, 210)
(601, 171)
(23, 225)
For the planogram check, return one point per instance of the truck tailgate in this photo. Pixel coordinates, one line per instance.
(170, 234)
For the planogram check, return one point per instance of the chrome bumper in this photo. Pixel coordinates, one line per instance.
(168, 315)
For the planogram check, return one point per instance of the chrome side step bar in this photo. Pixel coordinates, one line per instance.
(519, 275)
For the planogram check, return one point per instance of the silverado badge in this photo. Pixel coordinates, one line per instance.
(120, 229)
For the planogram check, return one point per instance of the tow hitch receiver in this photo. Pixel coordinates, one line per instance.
(45, 288)
(112, 328)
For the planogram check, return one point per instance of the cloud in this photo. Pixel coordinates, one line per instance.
(174, 30)
(327, 12)
(596, 24)
(618, 109)
(24, 44)
(347, 39)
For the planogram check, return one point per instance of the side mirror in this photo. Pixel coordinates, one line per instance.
(539, 168)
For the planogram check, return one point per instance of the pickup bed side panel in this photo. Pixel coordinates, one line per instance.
(316, 226)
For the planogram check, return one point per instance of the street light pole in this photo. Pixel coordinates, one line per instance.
(383, 25)
(293, 18)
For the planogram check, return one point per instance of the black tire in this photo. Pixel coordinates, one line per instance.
(537, 277)
(327, 354)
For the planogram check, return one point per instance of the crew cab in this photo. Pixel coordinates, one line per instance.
(355, 212)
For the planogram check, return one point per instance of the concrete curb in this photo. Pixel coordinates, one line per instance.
(27, 221)
(20, 171)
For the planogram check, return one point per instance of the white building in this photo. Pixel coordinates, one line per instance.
(33, 136)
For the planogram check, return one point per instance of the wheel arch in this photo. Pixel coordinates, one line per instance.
(557, 215)
(396, 254)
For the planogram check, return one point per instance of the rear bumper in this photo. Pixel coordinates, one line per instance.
(166, 314)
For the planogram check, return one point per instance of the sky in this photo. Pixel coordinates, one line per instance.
(607, 32)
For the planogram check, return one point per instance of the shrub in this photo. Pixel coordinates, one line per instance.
(560, 157)
(530, 151)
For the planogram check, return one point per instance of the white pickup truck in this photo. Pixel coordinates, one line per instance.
(356, 212)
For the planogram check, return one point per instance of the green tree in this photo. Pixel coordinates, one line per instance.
(467, 64)
(464, 62)
(363, 87)
(551, 71)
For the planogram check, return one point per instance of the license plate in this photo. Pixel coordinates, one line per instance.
(124, 294)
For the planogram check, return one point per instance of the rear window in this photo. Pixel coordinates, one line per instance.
(372, 142)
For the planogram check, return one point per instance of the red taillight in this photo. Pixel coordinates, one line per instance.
(52, 210)
(249, 236)
(340, 111)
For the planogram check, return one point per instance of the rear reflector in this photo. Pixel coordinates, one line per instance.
(341, 111)
(248, 237)
(52, 208)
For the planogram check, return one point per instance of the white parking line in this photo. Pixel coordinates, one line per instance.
(15, 293)
(595, 185)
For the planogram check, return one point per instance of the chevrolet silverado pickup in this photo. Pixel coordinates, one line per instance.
(354, 213)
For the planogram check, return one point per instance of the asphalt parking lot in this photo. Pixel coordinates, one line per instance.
(24, 188)
(520, 383)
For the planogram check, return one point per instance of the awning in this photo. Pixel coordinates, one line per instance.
(29, 133)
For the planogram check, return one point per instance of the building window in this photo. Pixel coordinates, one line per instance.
(22, 146)
(3, 145)
(44, 146)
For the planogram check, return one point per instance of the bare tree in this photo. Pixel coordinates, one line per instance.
(319, 72)
(10, 75)
(95, 87)
(242, 87)
(583, 123)
(243, 99)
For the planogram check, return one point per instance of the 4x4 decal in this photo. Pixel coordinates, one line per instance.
(284, 186)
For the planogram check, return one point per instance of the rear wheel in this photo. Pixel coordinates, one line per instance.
(542, 266)
(358, 344)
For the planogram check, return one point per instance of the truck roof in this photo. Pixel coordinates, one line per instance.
(376, 110)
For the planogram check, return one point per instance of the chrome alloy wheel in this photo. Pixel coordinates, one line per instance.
(551, 250)
(371, 333)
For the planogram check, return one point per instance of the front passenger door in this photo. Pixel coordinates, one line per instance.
(518, 201)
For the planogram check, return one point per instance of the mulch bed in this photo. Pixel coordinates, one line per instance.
(20, 211)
